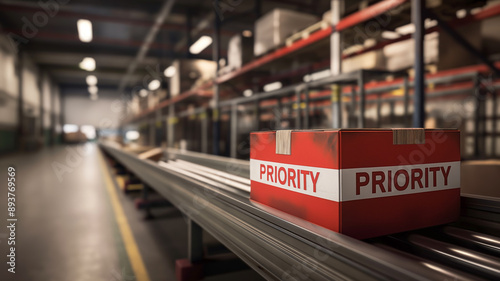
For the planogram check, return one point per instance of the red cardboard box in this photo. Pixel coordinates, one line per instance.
(360, 182)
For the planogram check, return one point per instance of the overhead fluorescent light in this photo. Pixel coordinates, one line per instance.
(390, 35)
(247, 33)
(247, 93)
(200, 45)
(88, 131)
(143, 93)
(91, 80)
(169, 71)
(88, 64)
(461, 13)
(154, 85)
(272, 86)
(93, 90)
(132, 135)
(70, 128)
(84, 30)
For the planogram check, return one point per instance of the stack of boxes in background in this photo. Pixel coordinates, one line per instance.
(239, 51)
(272, 29)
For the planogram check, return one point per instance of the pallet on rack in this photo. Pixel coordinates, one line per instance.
(305, 33)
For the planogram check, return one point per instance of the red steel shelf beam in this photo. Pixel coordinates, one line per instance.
(368, 13)
(346, 22)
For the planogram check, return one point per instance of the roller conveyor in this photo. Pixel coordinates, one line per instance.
(214, 192)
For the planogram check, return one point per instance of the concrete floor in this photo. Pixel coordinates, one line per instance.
(66, 228)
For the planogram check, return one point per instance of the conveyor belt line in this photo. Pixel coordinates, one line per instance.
(238, 182)
(274, 243)
(172, 167)
(474, 261)
(186, 168)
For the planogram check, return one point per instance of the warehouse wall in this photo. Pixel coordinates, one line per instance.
(106, 111)
(38, 90)
(9, 93)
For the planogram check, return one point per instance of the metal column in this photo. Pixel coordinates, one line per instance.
(152, 133)
(145, 196)
(417, 9)
(157, 128)
(257, 112)
(479, 122)
(406, 94)
(379, 108)
(494, 114)
(204, 132)
(337, 8)
(170, 126)
(216, 56)
(20, 101)
(42, 110)
(234, 130)
(298, 94)
(306, 109)
(362, 101)
(195, 241)
(336, 99)
(278, 112)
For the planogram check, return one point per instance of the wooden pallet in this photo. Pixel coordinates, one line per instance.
(305, 33)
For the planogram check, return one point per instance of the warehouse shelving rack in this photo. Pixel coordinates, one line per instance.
(301, 101)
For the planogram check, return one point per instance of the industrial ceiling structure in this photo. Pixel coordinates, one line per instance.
(47, 30)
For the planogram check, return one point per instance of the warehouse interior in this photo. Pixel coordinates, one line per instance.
(128, 130)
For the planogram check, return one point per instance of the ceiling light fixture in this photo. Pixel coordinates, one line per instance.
(200, 45)
(169, 71)
(84, 30)
(143, 93)
(93, 90)
(88, 64)
(91, 80)
(247, 93)
(461, 13)
(154, 85)
(272, 86)
(132, 135)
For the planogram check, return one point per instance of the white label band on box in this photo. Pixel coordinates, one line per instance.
(357, 183)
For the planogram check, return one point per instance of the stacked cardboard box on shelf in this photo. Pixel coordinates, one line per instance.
(239, 51)
(190, 73)
(272, 29)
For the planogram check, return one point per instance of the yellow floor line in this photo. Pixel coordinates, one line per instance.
(134, 255)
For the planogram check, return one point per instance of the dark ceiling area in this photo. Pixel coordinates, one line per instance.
(47, 31)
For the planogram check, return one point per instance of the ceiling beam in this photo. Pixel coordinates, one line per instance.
(111, 50)
(68, 37)
(88, 14)
(148, 41)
